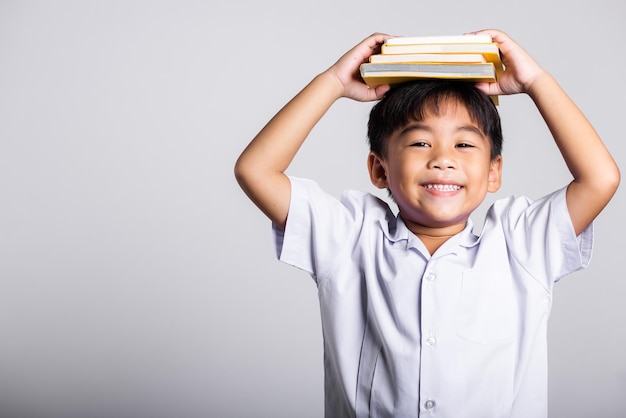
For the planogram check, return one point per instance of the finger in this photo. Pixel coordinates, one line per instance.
(490, 89)
(381, 90)
(494, 33)
(370, 94)
(366, 48)
(375, 40)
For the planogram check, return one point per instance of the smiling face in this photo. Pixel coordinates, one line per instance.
(438, 170)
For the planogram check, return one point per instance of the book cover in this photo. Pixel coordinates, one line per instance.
(432, 58)
(446, 39)
(375, 74)
(463, 48)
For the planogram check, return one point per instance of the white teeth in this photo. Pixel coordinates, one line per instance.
(443, 187)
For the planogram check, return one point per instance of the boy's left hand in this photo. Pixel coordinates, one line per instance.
(520, 69)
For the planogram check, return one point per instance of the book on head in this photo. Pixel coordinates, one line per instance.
(465, 57)
(375, 74)
(432, 58)
(489, 51)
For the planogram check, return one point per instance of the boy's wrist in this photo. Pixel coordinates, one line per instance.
(330, 81)
(539, 84)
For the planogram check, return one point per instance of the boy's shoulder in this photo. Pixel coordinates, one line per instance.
(515, 205)
(351, 198)
(353, 205)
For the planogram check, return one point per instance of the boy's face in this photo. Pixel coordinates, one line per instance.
(438, 170)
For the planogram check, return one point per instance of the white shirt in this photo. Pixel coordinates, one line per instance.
(459, 334)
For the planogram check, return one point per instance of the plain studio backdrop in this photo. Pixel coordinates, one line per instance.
(137, 280)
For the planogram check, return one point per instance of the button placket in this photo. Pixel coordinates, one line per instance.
(429, 340)
(430, 278)
(429, 322)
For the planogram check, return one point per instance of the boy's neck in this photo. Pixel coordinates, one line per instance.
(432, 243)
(433, 238)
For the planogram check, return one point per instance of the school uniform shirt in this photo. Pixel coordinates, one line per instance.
(461, 333)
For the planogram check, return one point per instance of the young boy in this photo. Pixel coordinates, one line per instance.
(420, 316)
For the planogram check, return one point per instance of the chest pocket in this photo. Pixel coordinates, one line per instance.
(487, 308)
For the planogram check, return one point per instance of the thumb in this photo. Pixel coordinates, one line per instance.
(380, 91)
(490, 89)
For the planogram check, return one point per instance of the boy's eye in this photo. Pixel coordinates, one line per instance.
(419, 144)
(464, 145)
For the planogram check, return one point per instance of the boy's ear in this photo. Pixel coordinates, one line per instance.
(495, 175)
(377, 170)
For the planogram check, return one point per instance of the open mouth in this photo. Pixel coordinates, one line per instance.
(443, 187)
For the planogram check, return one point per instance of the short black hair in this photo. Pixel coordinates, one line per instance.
(411, 101)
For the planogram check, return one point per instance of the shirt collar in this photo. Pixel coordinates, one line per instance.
(395, 230)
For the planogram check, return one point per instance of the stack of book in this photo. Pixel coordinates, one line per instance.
(465, 57)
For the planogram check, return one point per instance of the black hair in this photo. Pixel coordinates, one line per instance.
(411, 101)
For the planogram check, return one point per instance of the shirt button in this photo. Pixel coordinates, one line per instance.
(431, 277)
(429, 404)
(431, 341)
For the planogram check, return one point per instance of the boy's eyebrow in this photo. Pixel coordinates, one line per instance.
(413, 126)
(471, 128)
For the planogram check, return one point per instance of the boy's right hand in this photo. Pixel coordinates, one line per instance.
(346, 70)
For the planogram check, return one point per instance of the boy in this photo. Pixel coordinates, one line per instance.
(420, 316)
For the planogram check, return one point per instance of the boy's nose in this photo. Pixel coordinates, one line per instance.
(442, 162)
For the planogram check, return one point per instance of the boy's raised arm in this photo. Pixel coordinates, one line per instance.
(596, 175)
(260, 169)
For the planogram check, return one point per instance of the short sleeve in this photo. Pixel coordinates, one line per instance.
(319, 228)
(541, 237)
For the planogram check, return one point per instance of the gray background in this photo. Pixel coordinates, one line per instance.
(136, 280)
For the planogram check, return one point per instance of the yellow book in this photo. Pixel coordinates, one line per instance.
(445, 39)
(432, 58)
(375, 74)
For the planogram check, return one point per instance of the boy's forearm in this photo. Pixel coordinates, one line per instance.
(277, 143)
(595, 173)
(261, 166)
(572, 132)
